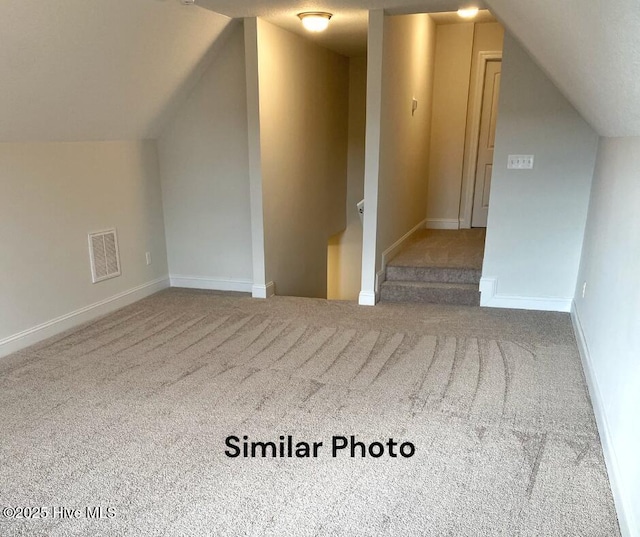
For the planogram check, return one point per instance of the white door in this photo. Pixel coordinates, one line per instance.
(486, 142)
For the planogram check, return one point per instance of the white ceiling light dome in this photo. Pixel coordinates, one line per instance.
(468, 13)
(315, 21)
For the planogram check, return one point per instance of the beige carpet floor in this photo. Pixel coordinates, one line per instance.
(131, 413)
(462, 248)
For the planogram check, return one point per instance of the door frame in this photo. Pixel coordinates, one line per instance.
(466, 211)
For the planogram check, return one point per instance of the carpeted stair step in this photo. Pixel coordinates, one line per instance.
(433, 274)
(460, 294)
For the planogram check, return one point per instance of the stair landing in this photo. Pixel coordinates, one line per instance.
(437, 267)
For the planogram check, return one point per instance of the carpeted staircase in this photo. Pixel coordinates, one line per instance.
(437, 267)
(433, 285)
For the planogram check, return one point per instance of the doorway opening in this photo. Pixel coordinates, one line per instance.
(443, 263)
(465, 99)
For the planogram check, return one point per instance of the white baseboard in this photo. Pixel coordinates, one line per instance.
(395, 248)
(381, 277)
(366, 299)
(442, 223)
(55, 326)
(490, 298)
(214, 284)
(263, 291)
(370, 297)
(628, 528)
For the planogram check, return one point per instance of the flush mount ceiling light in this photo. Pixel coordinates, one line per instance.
(468, 12)
(315, 21)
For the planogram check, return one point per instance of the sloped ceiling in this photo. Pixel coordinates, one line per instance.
(590, 49)
(114, 69)
(97, 69)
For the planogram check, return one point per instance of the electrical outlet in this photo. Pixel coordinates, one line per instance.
(148, 257)
(520, 162)
(584, 289)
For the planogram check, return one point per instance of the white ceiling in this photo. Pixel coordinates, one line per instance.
(590, 49)
(347, 33)
(452, 17)
(114, 69)
(99, 69)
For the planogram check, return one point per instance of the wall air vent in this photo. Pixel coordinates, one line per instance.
(105, 259)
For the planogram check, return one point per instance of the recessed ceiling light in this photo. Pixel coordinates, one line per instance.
(315, 21)
(468, 13)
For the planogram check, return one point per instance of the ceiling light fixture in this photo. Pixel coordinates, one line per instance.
(315, 21)
(468, 13)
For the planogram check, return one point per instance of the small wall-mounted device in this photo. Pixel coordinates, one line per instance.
(360, 206)
(520, 162)
(104, 255)
(414, 106)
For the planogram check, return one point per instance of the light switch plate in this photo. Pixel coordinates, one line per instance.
(520, 162)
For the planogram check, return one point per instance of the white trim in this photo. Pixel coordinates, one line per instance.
(375, 53)
(55, 326)
(488, 288)
(255, 155)
(216, 284)
(625, 513)
(381, 277)
(263, 291)
(490, 298)
(442, 223)
(470, 172)
(395, 248)
(367, 299)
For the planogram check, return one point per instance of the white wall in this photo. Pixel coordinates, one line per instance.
(204, 167)
(345, 249)
(51, 196)
(454, 44)
(608, 317)
(536, 217)
(303, 110)
(375, 54)
(401, 52)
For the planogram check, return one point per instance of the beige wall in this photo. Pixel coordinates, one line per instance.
(204, 167)
(454, 44)
(303, 102)
(407, 73)
(345, 249)
(457, 50)
(51, 196)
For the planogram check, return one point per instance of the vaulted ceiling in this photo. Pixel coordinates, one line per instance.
(114, 69)
(97, 70)
(590, 49)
